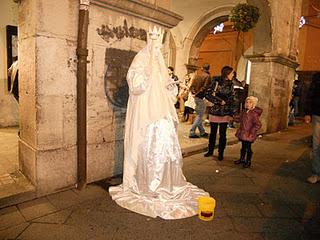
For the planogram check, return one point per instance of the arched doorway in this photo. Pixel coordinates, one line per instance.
(223, 48)
(273, 57)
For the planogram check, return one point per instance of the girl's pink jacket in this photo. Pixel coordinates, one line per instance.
(249, 125)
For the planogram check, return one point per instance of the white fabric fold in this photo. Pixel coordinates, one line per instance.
(153, 181)
(159, 186)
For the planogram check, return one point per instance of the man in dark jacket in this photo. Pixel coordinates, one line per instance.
(312, 111)
(296, 94)
(238, 98)
(197, 88)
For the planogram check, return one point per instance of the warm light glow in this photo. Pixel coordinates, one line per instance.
(218, 28)
(302, 22)
(248, 72)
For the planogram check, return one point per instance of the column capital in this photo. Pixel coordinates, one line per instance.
(84, 4)
(277, 58)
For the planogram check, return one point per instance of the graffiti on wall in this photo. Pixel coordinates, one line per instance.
(107, 32)
(117, 63)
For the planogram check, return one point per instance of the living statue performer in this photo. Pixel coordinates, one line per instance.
(153, 182)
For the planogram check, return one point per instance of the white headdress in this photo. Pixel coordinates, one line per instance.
(155, 35)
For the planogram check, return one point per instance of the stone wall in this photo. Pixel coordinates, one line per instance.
(275, 61)
(271, 82)
(47, 146)
(48, 151)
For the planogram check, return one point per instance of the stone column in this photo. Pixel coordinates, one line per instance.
(47, 145)
(271, 81)
(274, 60)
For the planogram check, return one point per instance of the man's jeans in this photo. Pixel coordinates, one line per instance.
(200, 109)
(316, 144)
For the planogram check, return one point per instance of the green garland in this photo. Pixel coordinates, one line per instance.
(244, 17)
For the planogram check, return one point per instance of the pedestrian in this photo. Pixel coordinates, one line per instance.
(238, 88)
(296, 94)
(247, 133)
(173, 76)
(221, 94)
(198, 89)
(183, 95)
(175, 79)
(312, 113)
(13, 73)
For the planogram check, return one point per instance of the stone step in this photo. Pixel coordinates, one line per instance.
(15, 188)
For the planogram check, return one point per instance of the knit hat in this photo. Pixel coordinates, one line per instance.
(253, 99)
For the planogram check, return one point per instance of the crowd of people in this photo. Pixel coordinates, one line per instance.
(222, 100)
(225, 100)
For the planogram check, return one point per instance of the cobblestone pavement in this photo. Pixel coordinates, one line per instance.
(270, 201)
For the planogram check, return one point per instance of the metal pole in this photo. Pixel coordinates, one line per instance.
(82, 53)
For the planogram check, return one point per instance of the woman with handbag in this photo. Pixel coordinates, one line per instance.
(221, 94)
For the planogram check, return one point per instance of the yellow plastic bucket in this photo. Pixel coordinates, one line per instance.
(206, 207)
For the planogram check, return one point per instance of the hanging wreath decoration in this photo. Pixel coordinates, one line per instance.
(244, 17)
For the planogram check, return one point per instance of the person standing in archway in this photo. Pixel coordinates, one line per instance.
(221, 94)
(13, 72)
(198, 87)
(238, 98)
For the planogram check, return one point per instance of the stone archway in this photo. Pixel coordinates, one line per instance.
(201, 29)
(262, 41)
(273, 57)
(199, 38)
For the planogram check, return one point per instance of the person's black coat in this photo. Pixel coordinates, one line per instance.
(312, 106)
(223, 92)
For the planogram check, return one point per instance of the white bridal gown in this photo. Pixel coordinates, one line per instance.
(153, 181)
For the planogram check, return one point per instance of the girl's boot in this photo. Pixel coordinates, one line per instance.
(247, 163)
(242, 156)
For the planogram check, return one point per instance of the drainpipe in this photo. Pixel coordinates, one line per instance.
(82, 53)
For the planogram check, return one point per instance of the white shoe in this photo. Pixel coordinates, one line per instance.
(313, 179)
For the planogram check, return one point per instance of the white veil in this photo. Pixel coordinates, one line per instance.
(157, 101)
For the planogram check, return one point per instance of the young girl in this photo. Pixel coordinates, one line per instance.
(249, 126)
